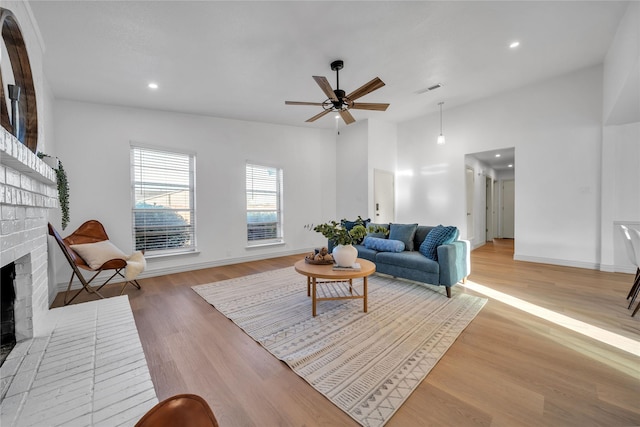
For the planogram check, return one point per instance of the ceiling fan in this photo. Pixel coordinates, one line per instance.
(338, 101)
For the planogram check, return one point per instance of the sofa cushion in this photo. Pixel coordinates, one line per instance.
(412, 260)
(404, 233)
(383, 245)
(421, 234)
(440, 235)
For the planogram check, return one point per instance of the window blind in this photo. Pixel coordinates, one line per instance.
(264, 204)
(163, 200)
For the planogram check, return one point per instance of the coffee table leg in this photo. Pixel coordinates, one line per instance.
(364, 292)
(313, 296)
(308, 286)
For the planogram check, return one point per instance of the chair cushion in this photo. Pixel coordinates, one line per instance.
(96, 254)
(404, 233)
(439, 235)
(383, 245)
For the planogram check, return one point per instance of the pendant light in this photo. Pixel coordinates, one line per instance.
(441, 136)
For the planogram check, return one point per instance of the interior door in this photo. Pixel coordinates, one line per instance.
(383, 196)
(470, 180)
(508, 208)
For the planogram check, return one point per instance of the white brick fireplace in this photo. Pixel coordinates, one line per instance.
(27, 190)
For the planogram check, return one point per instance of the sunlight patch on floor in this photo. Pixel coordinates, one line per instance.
(602, 335)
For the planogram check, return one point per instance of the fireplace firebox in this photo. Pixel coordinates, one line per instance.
(7, 317)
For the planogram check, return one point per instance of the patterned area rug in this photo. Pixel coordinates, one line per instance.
(365, 363)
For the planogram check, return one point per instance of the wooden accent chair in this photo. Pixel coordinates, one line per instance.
(179, 410)
(90, 232)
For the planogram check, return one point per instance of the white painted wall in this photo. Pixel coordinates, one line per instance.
(620, 193)
(620, 180)
(622, 71)
(93, 141)
(556, 128)
(352, 171)
(382, 155)
(362, 147)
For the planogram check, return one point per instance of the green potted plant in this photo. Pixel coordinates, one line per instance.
(63, 186)
(338, 233)
(344, 253)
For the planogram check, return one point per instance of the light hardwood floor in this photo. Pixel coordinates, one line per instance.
(508, 368)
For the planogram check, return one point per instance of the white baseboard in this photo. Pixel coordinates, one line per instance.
(555, 261)
(618, 269)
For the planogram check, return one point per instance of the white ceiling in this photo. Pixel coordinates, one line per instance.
(242, 60)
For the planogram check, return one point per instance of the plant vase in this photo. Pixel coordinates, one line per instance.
(345, 255)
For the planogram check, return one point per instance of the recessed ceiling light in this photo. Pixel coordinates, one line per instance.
(510, 166)
(514, 45)
(498, 155)
(152, 86)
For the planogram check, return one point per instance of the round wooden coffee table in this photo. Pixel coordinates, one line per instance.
(338, 284)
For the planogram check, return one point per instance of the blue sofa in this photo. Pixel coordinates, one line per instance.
(451, 267)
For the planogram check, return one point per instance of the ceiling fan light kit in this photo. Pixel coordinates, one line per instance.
(341, 102)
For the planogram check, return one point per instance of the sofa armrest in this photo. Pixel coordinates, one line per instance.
(454, 260)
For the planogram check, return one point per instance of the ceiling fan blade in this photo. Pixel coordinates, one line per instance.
(370, 106)
(317, 104)
(317, 116)
(347, 117)
(366, 88)
(326, 87)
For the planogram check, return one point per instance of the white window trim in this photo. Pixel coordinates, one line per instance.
(279, 240)
(192, 249)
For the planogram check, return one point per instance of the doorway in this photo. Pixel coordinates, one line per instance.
(383, 197)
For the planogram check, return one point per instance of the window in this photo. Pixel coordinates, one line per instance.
(264, 205)
(163, 200)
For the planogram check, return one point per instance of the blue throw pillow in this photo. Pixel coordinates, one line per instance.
(439, 235)
(383, 245)
(404, 233)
